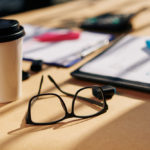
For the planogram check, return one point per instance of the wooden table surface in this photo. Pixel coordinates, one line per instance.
(125, 126)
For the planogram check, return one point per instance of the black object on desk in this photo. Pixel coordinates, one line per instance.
(110, 22)
(96, 98)
(25, 75)
(36, 65)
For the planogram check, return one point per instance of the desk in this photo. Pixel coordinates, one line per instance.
(125, 126)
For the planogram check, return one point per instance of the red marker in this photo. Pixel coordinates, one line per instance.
(56, 37)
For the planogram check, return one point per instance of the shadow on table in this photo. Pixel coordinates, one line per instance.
(129, 130)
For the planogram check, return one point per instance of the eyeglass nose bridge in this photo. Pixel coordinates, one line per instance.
(69, 115)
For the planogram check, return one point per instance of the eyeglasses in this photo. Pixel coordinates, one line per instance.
(50, 108)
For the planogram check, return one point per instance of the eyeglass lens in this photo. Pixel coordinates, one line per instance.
(47, 108)
(89, 106)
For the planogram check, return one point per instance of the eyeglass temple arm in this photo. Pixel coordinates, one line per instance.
(52, 80)
(41, 82)
(69, 94)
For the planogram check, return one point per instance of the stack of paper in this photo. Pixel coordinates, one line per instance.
(62, 53)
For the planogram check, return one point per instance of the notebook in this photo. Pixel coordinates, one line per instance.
(62, 53)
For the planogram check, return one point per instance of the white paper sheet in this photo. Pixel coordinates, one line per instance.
(51, 52)
(128, 59)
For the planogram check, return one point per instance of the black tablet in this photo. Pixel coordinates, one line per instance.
(124, 64)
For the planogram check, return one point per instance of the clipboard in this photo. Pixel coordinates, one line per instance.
(126, 63)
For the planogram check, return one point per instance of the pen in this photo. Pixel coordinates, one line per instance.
(93, 47)
(76, 57)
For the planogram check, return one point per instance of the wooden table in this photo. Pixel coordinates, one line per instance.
(125, 126)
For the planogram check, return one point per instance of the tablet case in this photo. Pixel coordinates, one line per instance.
(129, 84)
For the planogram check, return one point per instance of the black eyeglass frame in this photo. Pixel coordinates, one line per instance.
(67, 114)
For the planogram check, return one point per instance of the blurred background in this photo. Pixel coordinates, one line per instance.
(8, 7)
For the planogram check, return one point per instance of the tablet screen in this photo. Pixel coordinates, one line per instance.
(129, 59)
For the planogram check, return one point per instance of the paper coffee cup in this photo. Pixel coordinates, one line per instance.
(11, 34)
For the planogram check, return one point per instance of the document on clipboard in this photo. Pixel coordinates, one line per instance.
(62, 53)
(125, 64)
